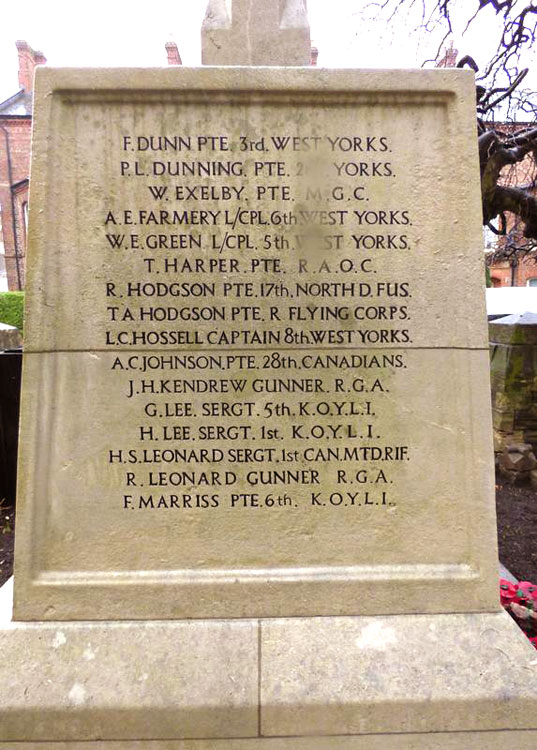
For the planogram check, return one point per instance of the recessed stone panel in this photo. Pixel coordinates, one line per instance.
(253, 380)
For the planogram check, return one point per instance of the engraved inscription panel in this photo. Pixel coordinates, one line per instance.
(240, 343)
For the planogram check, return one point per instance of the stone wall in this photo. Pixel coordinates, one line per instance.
(513, 350)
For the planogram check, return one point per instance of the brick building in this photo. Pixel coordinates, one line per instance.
(15, 134)
(514, 272)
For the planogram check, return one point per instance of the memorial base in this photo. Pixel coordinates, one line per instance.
(523, 740)
(413, 682)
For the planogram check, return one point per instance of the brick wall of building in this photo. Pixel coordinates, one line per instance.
(15, 140)
(504, 274)
(21, 195)
(15, 134)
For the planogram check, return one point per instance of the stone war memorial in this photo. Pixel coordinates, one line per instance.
(255, 504)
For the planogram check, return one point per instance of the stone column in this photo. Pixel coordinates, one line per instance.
(256, 32)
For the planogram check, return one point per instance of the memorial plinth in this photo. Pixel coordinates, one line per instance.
(246, 404)
(261, 409)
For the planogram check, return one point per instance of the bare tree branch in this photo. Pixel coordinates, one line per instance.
(507, 153)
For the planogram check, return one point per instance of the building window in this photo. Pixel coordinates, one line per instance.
(531, 282)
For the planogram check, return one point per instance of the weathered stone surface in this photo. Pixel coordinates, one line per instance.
(319, 101)
(420, 681)
(81, 681)
(520, 328)
(309, 678)
(522, 740)
(316, 532)
(524, 448)
(513, 461)
(256, 32)
(68, 567)
(516, 462)
(368, 675)
(513, 349)
(10, 337)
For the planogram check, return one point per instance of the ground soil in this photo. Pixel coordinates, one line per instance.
(517, 532)
(516, 507)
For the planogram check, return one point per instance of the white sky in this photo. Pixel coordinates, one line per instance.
(133, 33)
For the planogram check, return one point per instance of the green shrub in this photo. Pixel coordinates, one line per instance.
(12, 308)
